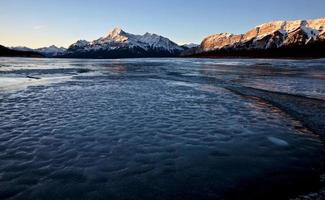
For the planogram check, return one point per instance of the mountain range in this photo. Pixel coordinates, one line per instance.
(299, 38)
(51, 51)
(120, 44)
(7, 52)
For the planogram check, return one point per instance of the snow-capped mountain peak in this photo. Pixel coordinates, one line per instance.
(118, 35)
(190, 45)
(273, 34)
(148, 40)
(80, 43)
(116, 32)
(119, 40)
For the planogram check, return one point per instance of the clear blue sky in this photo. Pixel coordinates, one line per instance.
(37, 23)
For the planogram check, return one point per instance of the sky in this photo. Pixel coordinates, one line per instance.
(39, 23)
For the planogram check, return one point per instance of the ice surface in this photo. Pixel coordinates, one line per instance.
(18, 83)
(157, 129)
(278, 141)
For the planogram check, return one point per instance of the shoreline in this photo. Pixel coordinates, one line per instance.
(179, 57)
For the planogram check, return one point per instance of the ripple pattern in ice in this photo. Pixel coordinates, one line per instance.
(146, 131)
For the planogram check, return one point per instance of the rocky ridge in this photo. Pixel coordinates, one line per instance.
(271, 35)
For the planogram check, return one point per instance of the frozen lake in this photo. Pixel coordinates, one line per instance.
(160, 128)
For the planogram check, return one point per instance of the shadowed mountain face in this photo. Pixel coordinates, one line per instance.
(119, 44)
(51, 51)
(300, 38)
(6, 52)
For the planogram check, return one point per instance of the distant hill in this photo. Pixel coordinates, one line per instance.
(189, 46)
(51, 51)
(6, 52)
(299, 38)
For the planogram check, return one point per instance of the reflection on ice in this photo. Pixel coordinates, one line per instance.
(310, 87)
(278, 141)
(19, 83)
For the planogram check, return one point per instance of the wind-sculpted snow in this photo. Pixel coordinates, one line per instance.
(160, 129)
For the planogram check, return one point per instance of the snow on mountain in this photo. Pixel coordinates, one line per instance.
(115, 44)
(80, 44)
(50, 51)
(24, 52)
(21, 48)
(131, 45)
(148, 40)
(268, 35)
(157, 41)
(190, 45)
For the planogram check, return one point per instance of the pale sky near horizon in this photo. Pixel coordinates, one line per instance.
(38, 23)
